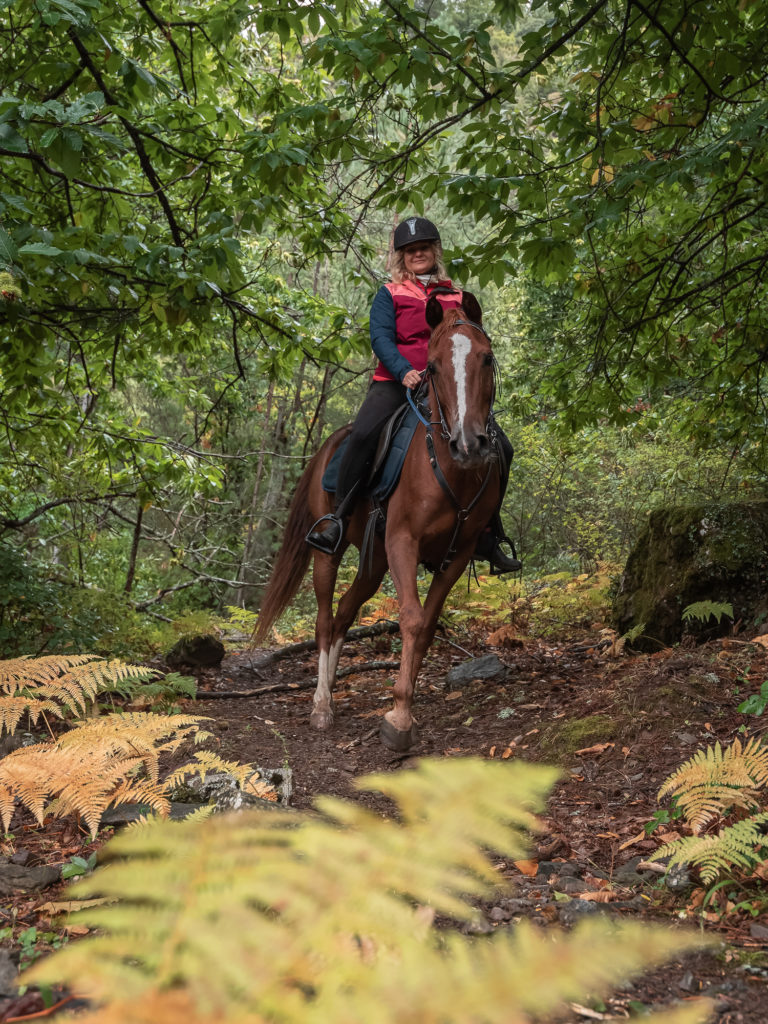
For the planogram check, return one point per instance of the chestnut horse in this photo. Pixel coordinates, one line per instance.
(448, 490)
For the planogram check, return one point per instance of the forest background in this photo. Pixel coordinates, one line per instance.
(195, 209)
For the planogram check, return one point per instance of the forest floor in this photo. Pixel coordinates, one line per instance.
(616, 723)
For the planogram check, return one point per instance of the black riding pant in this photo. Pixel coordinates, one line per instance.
(383, 398)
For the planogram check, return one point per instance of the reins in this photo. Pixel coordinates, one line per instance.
(462, 514)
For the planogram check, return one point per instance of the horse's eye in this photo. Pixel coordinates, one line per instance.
(488, 359)
(431, 369)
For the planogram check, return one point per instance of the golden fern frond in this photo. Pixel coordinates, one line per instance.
(256, 916)
(89, 768)
(741, 845)
(13, 708)
(18, 673)
(715, 780)
(208, 761)
(141, 733)
(24, 777)
(73, 681)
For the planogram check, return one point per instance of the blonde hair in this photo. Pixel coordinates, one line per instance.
(396, 264)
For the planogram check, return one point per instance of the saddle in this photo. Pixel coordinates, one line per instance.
(394, 441)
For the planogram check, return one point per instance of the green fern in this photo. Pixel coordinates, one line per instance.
(741, 845)
(703, 611)
(264, 917)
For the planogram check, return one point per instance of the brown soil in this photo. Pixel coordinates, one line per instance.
(617, 724)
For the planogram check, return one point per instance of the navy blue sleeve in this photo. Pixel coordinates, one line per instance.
(384, 335)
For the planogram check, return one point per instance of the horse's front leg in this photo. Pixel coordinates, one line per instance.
(417, 628)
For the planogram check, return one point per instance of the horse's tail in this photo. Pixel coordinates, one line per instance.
(293, 557)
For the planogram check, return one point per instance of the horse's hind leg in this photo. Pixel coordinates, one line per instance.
(324, 579)
(330, 631)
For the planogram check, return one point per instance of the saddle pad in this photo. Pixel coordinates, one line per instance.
(389, 474)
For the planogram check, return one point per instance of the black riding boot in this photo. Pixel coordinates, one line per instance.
(327, 539)
(328, 532)
(488, 549)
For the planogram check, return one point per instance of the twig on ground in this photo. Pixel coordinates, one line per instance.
(305, 684)
(361, 633)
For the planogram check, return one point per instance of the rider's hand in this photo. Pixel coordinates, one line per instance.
(412, 379)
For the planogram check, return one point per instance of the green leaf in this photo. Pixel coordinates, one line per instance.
(11, 140)
(39, 249)
(8, 249)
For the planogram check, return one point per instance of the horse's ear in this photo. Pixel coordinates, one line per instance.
(472, 307)
(434, 312)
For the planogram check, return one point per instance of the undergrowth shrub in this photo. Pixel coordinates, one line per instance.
(316, 918)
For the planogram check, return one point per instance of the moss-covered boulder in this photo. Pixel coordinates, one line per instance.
(715, 552)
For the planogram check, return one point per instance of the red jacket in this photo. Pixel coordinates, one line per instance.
(399, 329)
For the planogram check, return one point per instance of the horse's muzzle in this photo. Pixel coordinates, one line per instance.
(470, 451)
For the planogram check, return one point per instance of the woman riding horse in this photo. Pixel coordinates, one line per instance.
(399, 337)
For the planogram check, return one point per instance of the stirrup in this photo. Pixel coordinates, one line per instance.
(321, 540)
(499, 563)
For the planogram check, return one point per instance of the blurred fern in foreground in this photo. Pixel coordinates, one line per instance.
(265, 917)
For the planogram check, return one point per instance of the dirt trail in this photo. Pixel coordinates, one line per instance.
(617, 725)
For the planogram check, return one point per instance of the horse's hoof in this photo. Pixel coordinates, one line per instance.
(398, 740)
(321, 720)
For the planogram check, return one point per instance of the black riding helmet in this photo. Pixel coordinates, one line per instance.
(415, 229)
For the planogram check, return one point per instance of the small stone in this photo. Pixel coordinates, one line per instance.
(9, 974)
(489, 667)
(20, 857)
(16, 878)
(678, 879)
(516, 906)
(568, 885)
(499, 914)
(759, 931)
(688, 983)
(480, 926)
(203, 651)
(547, 868)
(575, 910)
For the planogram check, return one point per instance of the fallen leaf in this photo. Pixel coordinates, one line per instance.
(762, 640)
(492, 751)
(526, 867)
(598, 748)
(608, 835)
(507, 753)
(376, 713)
(604, 896)
(70, 906)
(635, 839)
(76, 929)
(626, 751)
(453, 695)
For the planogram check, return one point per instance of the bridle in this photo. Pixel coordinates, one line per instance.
(428, 379)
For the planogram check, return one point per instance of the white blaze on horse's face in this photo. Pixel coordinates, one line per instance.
(462, 346)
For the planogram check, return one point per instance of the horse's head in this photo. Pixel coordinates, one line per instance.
(461, 367)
